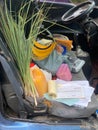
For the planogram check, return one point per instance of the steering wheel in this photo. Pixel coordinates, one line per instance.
(78, 12)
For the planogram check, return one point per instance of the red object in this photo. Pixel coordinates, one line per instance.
(32, 64)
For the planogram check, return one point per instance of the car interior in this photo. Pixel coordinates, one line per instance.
(80, 24)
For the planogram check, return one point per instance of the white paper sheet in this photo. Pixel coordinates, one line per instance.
(88, 93)
(75, 89)
(70, 91)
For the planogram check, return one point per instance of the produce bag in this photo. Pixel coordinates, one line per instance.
(39, 80)
(64, 72)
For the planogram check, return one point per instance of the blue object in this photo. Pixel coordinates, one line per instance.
(28, 126)
(36, 126)
(64, 52)
(16, 125)
(97, 113)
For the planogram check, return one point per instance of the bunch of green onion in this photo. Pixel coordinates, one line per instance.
(20, 46)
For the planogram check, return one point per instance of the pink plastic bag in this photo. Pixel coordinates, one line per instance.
(64, 72)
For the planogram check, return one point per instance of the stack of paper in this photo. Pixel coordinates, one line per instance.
(73, 93)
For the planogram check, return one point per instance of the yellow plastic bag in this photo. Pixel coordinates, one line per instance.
(39, 81)
(40, 51)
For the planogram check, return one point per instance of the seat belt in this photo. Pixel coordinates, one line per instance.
(15, 84)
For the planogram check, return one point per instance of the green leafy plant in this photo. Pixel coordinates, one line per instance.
(20, 46)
